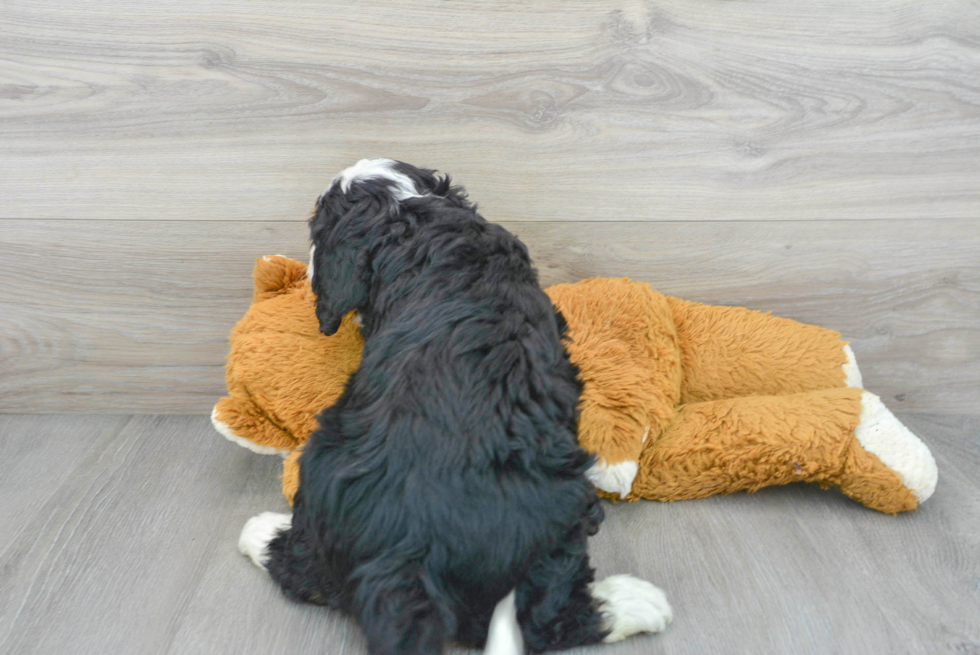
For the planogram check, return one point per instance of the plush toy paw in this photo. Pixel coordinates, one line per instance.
(613, 478)
(258, 532)
(883, 435)
(233, 413)
(630, 606)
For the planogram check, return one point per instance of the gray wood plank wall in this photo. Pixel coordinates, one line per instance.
(138, 313)
(820, 160)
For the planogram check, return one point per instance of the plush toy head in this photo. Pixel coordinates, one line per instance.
(281, 370)
(680, 399)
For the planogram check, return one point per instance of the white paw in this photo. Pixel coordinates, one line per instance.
(230, 435)
(614, 478)
(631, 605)
(504, 636)
(852, 375)
(258, 532)
(883, 435)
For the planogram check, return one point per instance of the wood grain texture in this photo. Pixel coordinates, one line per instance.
(120, 548)
(36, 456)
(796, 570)
(133, 551)
(133, 316)
(621, 110)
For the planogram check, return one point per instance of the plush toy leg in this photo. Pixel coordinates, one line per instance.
(290, 475)
(839, 437)
(611, 425)
(234, 416)
(880, 433)
(622, 339)
(731, 352)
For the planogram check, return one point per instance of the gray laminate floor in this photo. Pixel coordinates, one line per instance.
(118, 535)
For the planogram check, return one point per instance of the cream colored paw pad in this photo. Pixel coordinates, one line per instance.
(883, 435)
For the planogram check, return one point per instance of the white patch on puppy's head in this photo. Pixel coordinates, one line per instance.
(369, 169)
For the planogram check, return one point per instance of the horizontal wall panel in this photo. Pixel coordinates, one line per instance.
(133, 316)
(679, 110)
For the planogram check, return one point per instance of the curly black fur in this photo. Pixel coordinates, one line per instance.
(449, 472)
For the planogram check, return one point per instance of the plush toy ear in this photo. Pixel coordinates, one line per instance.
(274, 273)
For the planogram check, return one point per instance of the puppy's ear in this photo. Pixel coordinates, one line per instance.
(345, 227)
(339, 282)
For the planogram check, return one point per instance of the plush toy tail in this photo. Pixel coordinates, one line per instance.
(842, 437)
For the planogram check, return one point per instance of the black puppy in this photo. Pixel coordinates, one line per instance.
(447, 481)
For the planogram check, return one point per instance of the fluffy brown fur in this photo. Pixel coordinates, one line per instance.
(705, 399)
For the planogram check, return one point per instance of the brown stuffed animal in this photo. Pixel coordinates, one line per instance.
(681, 399)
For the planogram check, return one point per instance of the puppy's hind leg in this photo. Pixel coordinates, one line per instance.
(400, 609)
(555, 607)
(273, 544)
(559, 605)
(258, 532)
